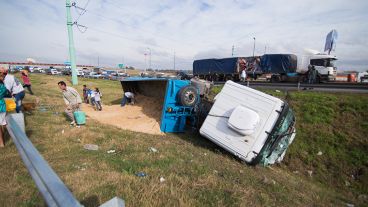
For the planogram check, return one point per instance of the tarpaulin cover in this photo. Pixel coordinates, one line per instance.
(279, 63)
(211, 66)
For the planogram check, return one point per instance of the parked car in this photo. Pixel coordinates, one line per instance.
(67, 71)
(95, 75)
(80, 73)
(123, 74)
(53, 71)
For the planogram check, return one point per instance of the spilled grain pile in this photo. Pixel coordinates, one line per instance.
(144, 116)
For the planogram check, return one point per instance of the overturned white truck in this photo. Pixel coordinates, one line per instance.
(252, 125)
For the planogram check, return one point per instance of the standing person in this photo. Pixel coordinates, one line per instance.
(26, 81)
(243, 75)
(312, 74)
(98, 96)
(85, 94)
(15, 88)
(128, 97)
(3, 93)
(92, 95)
(72, 100)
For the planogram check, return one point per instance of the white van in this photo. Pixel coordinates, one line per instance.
(252, 125)
(80, 73)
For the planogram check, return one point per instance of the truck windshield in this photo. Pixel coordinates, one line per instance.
(279, 139)
(322, 62)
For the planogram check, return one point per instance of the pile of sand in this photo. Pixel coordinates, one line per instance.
(144, 116)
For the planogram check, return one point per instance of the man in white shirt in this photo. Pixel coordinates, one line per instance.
(243, 75)
(14, 86)
(72, 99)
(128, 97)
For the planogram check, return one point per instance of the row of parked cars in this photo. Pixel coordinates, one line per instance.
(109, 75)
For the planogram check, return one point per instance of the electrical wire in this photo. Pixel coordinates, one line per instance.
(83, 10)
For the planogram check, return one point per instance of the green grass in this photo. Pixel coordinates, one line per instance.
(197, 172)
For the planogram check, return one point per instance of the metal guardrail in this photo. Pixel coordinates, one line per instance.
(53, 190)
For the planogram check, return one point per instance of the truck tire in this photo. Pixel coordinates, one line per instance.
(188, 96)
(275, 79)
(228, 77)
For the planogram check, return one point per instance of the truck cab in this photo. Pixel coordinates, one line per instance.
(324, 64)
(254, 126)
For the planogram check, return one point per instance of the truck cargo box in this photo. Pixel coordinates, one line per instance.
(279, 63)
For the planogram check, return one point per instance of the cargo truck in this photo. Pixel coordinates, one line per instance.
(225, 69)
(289, 67)
(252, 125)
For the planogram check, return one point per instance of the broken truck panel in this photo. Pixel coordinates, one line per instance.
(254, 126)
(174, 113)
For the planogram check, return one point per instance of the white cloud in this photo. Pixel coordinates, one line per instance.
(194, 29)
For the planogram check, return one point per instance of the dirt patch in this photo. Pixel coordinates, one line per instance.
(144, 116)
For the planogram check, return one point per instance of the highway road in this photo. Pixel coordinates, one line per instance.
(328, 87)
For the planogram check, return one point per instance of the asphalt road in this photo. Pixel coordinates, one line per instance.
(328, 87)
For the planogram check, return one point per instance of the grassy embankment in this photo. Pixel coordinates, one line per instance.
(197, 172)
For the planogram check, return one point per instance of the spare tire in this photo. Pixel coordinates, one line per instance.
(188, 96)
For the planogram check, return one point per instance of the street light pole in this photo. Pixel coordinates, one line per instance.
(174, 61)
(150, 54)
(254, 45)
(145, 62)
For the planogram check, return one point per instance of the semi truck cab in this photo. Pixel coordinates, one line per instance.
(324, 64)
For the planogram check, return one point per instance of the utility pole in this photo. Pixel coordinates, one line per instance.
(150, 54)
(254, 45)
(69, 24)
(145, 62)
(98, 61)
(232, 51)
(265, 49)
(174, 60)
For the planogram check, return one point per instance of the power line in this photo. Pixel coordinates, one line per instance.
(77, 9)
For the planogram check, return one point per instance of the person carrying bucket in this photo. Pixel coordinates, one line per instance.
(72, 100)
(14, 87)
(3, 93)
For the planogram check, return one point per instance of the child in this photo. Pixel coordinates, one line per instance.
(3, 93)
(26, 81)
(98, 96)
(85, 94)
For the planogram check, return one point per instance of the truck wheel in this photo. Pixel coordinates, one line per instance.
(275, 79)
(188, 96)
(228, 77)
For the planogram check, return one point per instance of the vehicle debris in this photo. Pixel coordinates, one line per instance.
(90, 147)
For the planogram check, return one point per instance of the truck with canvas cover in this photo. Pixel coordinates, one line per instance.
(290, 67)
(225, 68)
(252, 125)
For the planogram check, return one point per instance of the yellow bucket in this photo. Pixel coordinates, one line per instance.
(10, 104)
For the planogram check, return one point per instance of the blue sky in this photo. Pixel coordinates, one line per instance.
(121, 31)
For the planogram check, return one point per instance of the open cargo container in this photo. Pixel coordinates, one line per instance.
(178, 98)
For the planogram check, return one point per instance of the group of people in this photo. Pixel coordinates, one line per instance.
(93, 97)
(11, 87)
(73, 100)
